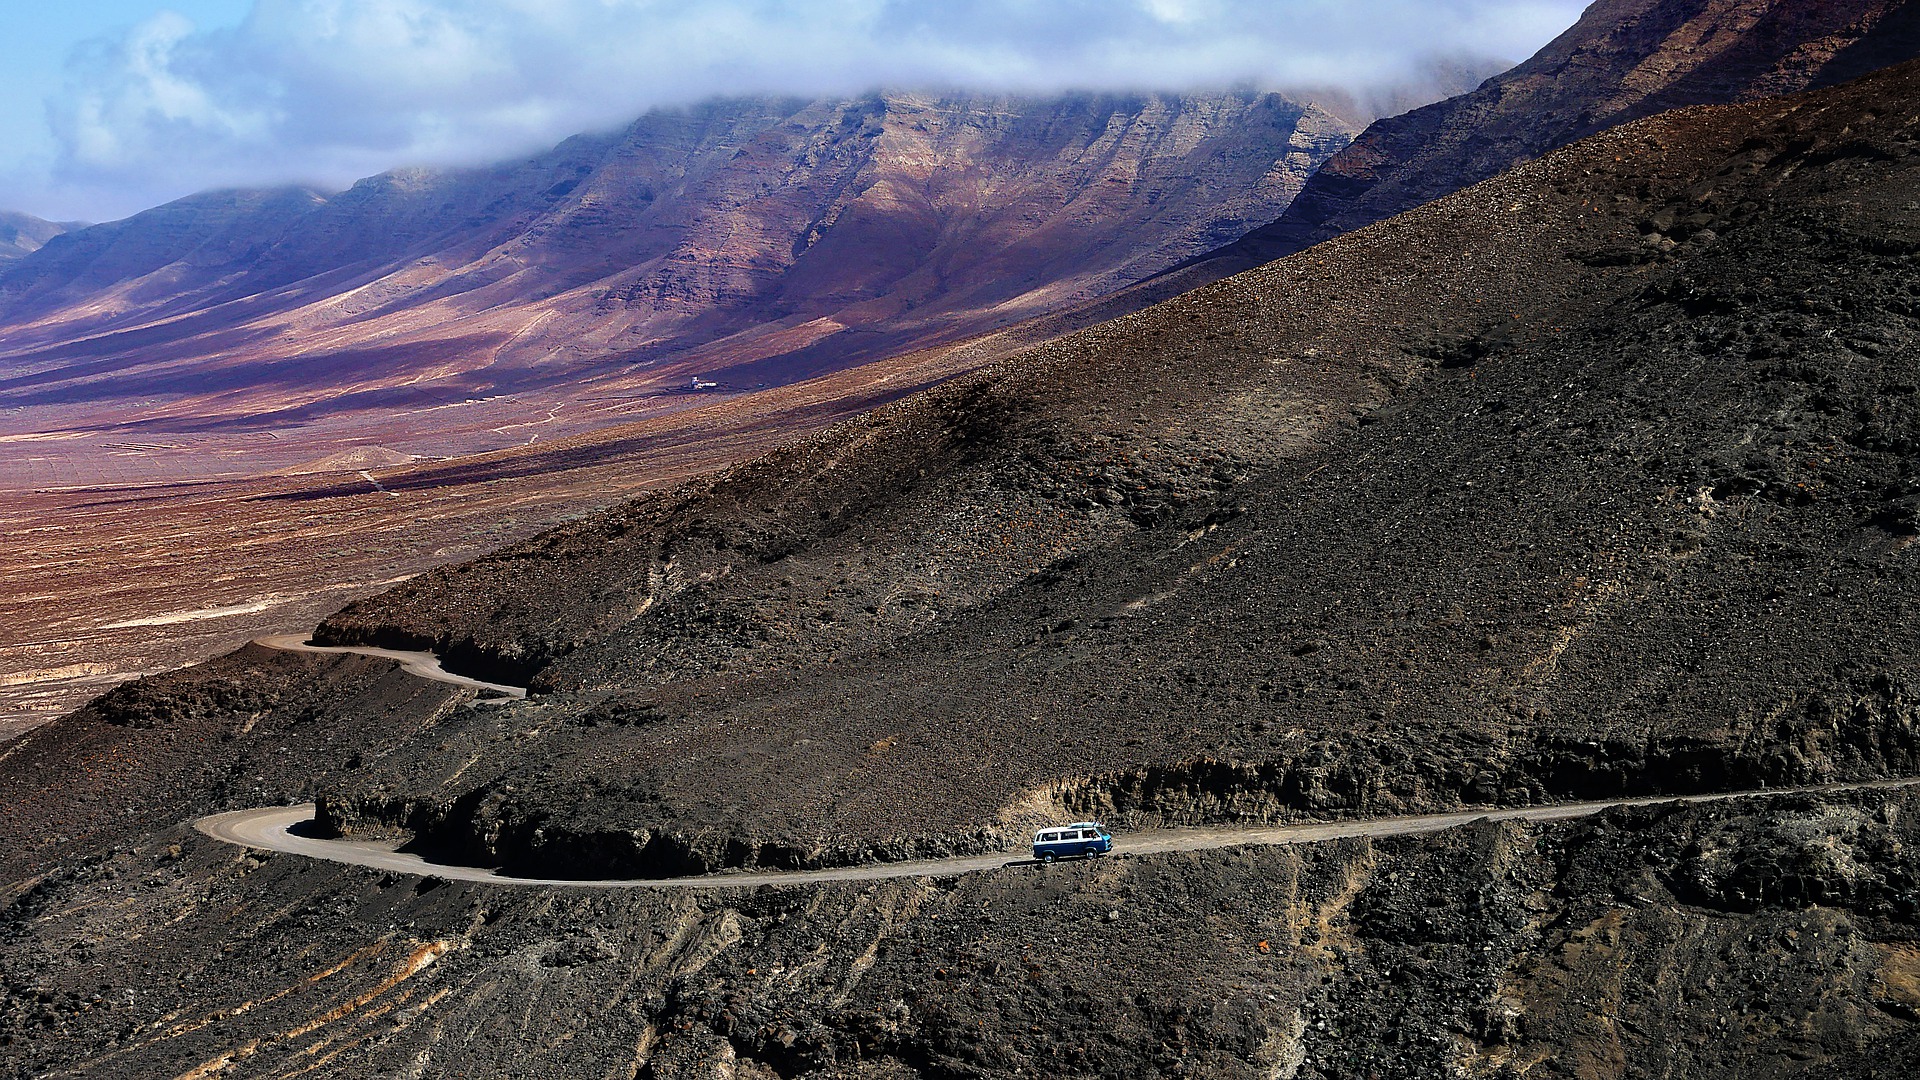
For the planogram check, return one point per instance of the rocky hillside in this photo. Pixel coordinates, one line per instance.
(749, 242)
(1624, 60)
(1521, 498)
(23, 234)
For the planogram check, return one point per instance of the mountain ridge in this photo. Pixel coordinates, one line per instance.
(753, 242)
(1623, 60)
(23, 234)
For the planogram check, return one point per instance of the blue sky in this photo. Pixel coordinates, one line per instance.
(41, 35)
(110, 106)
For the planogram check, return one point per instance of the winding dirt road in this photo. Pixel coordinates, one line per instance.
(424, 664)
(267, 829)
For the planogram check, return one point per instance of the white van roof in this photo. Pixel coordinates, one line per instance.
(1062, 828)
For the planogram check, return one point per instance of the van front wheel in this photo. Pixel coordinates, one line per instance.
(1047, 858)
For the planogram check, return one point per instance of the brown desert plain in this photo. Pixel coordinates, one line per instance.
(103, 582)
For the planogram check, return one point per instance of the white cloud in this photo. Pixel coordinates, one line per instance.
(325, 91)
(150, 88)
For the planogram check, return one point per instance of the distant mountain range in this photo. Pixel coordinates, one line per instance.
(24, 234)
(752, 243)
(746, 242)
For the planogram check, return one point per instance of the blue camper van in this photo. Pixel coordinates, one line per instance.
(1083, 838)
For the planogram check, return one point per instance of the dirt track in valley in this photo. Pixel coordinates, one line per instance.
(424, 664)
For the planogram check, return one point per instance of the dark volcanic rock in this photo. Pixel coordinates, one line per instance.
(1581, 949)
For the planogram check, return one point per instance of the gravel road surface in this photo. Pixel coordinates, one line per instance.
(270, 828)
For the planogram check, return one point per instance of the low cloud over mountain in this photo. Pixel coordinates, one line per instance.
(322, 91)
